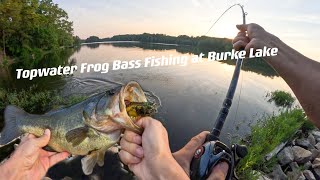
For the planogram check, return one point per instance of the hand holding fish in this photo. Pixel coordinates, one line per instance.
(29, 160)
(154, 160)
(149, 156)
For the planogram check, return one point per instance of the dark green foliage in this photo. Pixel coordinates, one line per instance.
(34, 101)
(92, 39)
(28, 28)
(267, 134)
(76, 41)
(281, 98)
(209, 43)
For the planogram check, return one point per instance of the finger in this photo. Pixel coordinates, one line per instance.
(148, 121)
(54, 159)
(131, 148)
(240, 38)
(241, 33)
(254, 43)
(144, 122)
(51, 153)
(239, 45)
(128, 158)
(197, 141)
(45, 153)
(27, 137)
(24, 138)
(44, 139)
(133, 167)
(184, 155)
(132, 137)
(242, 27)
(194, 143)
(219, 172)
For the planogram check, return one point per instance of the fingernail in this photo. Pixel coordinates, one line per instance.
(46, 132)
(140, 151)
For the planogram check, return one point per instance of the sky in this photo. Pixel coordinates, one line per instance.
(296, 22)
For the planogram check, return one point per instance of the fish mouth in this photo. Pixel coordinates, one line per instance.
(131, 92)
(116, 116)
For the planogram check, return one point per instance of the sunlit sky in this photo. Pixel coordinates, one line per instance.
(296, 22)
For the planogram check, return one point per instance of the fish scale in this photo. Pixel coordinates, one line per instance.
(88, 128)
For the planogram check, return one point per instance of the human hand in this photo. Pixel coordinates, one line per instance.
(253, 36)
(185, 155)
(149, 156)
(29, 160)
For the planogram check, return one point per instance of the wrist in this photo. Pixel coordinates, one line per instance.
(10, 170)
(274, 42)
(168, 168)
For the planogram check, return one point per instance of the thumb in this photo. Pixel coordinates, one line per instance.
(133, 167)
(44, 139)
(195, 142)
(54, 159)
(144, 122)
(242, 27)
(220, 171)
(184, 155)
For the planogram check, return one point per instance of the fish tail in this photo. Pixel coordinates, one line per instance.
(11, 131)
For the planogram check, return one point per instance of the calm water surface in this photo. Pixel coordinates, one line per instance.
(191, 96)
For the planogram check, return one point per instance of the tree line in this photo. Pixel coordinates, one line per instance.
(30, 28)
(194, 45)
(203, 42)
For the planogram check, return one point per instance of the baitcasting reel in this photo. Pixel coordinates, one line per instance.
(212, 153)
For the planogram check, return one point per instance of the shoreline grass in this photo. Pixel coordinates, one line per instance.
(269, 132)
(36, 101)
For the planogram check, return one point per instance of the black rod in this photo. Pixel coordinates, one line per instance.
(215, 133)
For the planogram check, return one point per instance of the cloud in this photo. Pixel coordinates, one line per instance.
(310, 18)
(196, 3)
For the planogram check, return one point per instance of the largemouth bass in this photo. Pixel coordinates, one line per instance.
(88, 128)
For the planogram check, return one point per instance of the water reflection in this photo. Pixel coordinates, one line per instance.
(191, 96)
(256, 65)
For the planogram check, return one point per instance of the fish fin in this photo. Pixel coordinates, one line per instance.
(100, 157)
(114, 149)
(76, 136)
(89, 110)
(10, 130)
(15, 146)
(88, 162)
(48, 148)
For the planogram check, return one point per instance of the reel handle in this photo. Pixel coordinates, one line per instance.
(211, 154)
(207, 157)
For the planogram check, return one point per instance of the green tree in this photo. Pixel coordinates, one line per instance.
(29, 28)
(9, 21)
(92, 39)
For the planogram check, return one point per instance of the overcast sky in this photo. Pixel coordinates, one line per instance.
(297, 22)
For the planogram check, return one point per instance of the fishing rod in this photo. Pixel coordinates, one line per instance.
(213, 151)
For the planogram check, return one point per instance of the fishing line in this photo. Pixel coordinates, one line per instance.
(243, 16)
(240, 91)
(244, 22)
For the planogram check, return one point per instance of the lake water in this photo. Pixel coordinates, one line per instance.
(191, 96)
